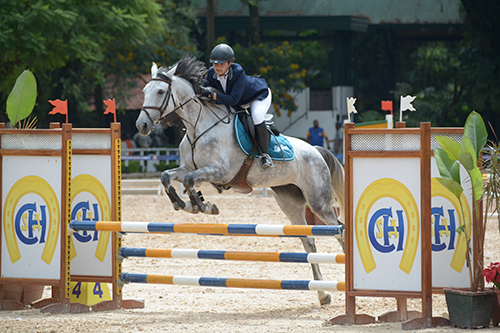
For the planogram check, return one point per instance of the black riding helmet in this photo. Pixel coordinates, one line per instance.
(221, 54)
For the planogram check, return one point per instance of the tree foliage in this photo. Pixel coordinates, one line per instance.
(279, 65)
(481, 50)
(288, 67)
(451, 79)
(442, 94)
(74, 46)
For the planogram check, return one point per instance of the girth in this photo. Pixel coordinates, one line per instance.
(239, 183)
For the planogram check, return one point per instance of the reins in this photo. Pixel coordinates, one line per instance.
(193, 143)
(162, 108)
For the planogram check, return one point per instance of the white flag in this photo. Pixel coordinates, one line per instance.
(350, 107)
(406, 103)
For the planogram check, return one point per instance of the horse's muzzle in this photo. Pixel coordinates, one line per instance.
(142, 127)
(144, 123)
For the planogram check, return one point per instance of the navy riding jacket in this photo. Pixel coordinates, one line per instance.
(240, 88)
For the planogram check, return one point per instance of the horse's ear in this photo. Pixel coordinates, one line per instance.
(154, 70)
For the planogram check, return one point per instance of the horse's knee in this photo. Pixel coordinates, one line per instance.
(189, 181)
(309, 244)
(165, 179)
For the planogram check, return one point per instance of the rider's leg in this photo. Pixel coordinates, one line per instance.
(262, 138)
(259, 109)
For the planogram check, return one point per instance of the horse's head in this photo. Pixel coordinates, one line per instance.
(157, 94)
(160, 95)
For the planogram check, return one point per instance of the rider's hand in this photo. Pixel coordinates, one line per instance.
(205, 92)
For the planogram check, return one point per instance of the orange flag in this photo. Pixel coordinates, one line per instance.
(110, 103)
(387, 106)
(60, 107)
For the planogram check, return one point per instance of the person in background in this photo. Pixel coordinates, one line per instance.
(127, 143)
(142, 141)
(238, 89)
(316, 136)
(338, 142)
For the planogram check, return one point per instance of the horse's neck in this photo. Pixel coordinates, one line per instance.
(199, 118)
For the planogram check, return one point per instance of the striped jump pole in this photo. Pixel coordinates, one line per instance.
(311, 258)
(212, 228)
(202, 281)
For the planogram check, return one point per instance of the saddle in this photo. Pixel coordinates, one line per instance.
(239, 182)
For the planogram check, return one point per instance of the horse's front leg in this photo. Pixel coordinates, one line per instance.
(189, 178)
(167, 177)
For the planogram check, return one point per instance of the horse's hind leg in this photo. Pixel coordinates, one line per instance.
(293, 204)
(310, 246)
(320, 200)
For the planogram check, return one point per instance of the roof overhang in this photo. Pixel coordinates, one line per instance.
(293, 23)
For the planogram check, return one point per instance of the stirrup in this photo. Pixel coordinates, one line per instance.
(266, 162)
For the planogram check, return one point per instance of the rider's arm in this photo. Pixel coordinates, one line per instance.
(238, 82)
(326, 138)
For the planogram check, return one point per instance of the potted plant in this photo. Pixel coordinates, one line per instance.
(450, 159)
(492, 275)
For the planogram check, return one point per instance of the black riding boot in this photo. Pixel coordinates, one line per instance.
(262, 138)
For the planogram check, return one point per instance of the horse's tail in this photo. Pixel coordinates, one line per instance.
(337, 175)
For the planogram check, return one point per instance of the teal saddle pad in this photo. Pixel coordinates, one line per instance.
(280, 149)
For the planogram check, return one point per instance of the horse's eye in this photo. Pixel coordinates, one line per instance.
(161, 91)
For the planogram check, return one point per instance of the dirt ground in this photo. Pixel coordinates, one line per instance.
(205, 309)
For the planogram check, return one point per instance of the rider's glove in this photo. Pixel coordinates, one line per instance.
(205, 92)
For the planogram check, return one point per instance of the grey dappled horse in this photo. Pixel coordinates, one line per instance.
(210, 153)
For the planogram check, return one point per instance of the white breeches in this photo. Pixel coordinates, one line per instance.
(259, 108)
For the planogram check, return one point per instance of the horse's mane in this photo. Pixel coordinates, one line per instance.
(192, 70)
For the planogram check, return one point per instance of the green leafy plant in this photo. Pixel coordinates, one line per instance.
(21, 100)
(466, 154)
(491, 167)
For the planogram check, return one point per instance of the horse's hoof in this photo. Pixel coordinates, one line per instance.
(211, 209)
(325, 301)
(191, 209)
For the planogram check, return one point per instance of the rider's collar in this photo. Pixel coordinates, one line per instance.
(227, 76)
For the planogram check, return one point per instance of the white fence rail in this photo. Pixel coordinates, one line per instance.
(149, 157)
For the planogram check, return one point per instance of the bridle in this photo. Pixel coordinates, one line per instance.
(162, 109)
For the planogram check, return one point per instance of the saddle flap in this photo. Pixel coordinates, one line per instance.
(280, 149)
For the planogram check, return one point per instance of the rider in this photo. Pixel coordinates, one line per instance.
(238, 89)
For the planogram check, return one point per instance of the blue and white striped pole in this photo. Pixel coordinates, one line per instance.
(311, 258)
(212, 228)
(318, 285)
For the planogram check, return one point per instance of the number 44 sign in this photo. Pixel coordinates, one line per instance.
(89, 293)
